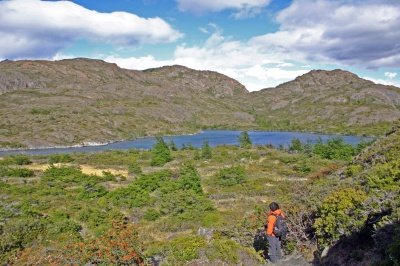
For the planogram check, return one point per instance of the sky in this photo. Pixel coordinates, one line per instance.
(261, 43)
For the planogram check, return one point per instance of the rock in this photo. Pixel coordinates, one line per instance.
(206, 232)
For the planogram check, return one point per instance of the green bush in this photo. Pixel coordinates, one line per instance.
(244, 140)
(151, 215)
(134, 168)
(334, 149)
(185, 205)
(161, 153)
(190, 179)
(60, 158)
(206, 152)
(16, 172)
(183, 249)
(21, 159)
(341, 213)
(231, 176)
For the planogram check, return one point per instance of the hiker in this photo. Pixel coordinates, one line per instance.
(275, 234)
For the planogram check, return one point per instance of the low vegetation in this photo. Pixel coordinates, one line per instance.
(179, 206)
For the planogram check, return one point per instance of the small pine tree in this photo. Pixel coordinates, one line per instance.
(197, 155)
(206, 152)
(296, 145)
(190, 179)
(244, 140)
(172, 145)
(161, 153)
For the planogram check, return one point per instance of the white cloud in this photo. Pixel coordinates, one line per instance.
(252, 67)
(384, 81)
(245, 8)
(365, 33)
(390, 75)
(34, 28)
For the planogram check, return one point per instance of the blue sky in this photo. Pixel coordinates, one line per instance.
(261, 43)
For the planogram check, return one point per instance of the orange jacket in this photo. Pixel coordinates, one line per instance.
(271, 221)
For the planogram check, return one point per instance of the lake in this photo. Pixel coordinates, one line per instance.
(214, 138)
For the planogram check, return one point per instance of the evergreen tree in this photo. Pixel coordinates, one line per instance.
(172, 145)
(190, 179)
(161, 153)
(244, 140)
(197, 155)
(206, 152)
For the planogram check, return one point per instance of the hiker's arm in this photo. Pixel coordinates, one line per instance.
(270, 225)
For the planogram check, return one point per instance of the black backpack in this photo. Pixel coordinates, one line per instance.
(280, 227)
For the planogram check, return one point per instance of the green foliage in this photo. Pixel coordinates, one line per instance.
(183, 249)
(92, 190)
(137, 194)
(134, 168)
(231, 176)
(60, 158)
(353, 169)
(151, 215)
(244, 140)
(190, 179)
(17, 234)
(340, 214)
(16, 172)
(185, 205)
(334, 149)
(223, 249)
(296, 145)
(21, 159)
(98, 220)
(172, 146)
(206, 152)
(161, 153)
(385, 176)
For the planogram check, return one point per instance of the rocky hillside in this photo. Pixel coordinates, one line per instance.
(74, 101)
(333, 101)
(80, 100)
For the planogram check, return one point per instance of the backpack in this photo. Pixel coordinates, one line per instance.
(280, 227)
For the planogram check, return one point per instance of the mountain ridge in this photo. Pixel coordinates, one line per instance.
(72, 101)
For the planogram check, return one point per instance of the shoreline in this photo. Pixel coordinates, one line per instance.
(98, 144)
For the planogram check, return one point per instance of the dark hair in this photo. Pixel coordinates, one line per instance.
(273, 206)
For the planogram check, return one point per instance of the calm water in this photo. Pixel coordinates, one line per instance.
(214, 137)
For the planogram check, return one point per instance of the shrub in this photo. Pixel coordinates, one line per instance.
(21, 159)
(151, 215)
(334, 149)
(296, 145)
(60, 158)
(185, 205)
(183, 249)
(231, 176)
(190, 179)
(134, 168)
(119, 246)
(16, 172)
(206, 152)
(340, 214)
(244, 140)
(161, 153)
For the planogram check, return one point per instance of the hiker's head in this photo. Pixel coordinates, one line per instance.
(273, 206)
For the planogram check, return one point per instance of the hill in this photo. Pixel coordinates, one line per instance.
(330, 101)
(75, 101)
